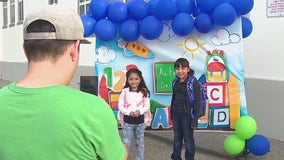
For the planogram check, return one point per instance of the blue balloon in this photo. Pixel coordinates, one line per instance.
(88, 24)
(203, 23)
(208, 6)
(246, 27)
(117, 11)
(185, 6)
(258, 145)
(242, 6)
(224, 14)
(105, 30)
(196, 11)
(182, 24)
(98, 8)
(138, 9)
(152, 5)
(151, 28)
(165, 9)
(129, 30)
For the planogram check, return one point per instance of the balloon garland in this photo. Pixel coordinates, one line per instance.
(145, 18)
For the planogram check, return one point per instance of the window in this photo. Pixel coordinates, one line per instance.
(20, 11)
(12, 13)
(89, 84)
(83, 6)
(52, 1)
(5, 15)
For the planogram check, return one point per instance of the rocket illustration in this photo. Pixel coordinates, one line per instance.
(135, 49)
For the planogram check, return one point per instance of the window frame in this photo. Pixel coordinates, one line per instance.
(5, 14)
(50, 2)
(12, 13)
(85, 4)
(20, 12)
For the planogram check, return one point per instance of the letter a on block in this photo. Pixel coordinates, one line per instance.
(160, 119)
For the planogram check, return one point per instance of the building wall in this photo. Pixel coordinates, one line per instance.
(263, 57)
(264, 79)
(12, 37)
(263, 49)
(14, 71)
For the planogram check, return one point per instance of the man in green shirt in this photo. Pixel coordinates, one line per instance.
(41, 118)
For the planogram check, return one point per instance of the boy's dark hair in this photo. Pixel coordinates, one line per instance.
(142, 86)
(37, 50)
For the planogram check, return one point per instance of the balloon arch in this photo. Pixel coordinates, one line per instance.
(136, 18)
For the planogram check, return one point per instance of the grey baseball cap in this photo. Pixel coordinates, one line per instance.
(68, 24)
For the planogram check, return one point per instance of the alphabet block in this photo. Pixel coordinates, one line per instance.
(220, 117)
(161, 119)
(216, 92)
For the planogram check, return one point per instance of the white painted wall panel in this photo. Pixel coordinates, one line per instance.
(12, 37)
(263, 49)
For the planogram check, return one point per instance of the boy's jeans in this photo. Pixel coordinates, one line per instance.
(138, 130)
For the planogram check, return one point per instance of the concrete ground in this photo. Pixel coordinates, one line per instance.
(209, 146)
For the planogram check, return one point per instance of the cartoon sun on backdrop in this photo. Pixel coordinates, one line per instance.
(192, 45)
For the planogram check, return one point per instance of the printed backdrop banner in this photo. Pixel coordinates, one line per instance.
(216, 57)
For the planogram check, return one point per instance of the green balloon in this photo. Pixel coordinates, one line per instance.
(234, 145)
(246, 127)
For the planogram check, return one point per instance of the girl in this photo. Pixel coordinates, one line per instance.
(134, 110)
(181, 107)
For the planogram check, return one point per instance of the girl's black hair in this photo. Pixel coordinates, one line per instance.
(142, 86)
(184, 63)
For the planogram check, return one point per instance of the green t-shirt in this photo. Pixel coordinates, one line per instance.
(56, 123)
